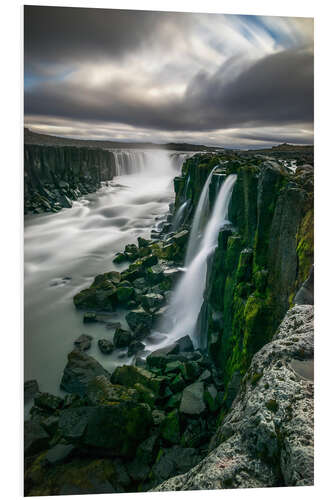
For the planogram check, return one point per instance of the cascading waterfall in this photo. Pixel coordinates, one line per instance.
(200, 218)
(188, 297)
(179, 215)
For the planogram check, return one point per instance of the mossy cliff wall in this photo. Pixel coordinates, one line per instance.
(260, 261)
(54, 176)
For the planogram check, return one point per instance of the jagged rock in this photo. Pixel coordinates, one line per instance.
(266, 439)
(105, 346)
(119, 428)
(122, 338)
(79, 371)
(83, 343)
(140, 322)
(185, 344)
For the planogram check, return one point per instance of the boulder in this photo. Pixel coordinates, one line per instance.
(140, 322)
(192, 402)
(122, 338)
(83, 343)
(79, 371)
(185, 344)
(58, 453)
(142, 243)
(152, 301)
(117, 428)
(124, 293)
(105, 346)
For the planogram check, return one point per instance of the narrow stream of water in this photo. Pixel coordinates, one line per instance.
(66, 250)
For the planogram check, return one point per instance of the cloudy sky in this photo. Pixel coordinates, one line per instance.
(228, 80)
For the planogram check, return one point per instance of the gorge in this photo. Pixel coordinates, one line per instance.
(186, 270)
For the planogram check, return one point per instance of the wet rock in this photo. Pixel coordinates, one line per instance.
(152, 301)
(83, 343)
(89, 317)
(122, 338)
(140, 322)
(105, 346)
(120, 258)
(185, 344)
(135, 347)
(192, 402)
(131, 375)
(118, 428)
(124, 293)
(79, 371)
(142, 242)
(147, 450)
(155, 274)
(138, 470)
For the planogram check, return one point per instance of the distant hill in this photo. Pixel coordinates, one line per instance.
(52, 140)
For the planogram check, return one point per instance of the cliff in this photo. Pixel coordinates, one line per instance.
(54, 176)
(261, 259)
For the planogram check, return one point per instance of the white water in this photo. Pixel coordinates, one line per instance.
(179, 216)
(200, 218)
(80, 243)
(188, 297)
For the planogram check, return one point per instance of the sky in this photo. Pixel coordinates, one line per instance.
(214, 79)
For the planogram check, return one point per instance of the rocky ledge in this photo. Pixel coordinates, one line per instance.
(267, 437)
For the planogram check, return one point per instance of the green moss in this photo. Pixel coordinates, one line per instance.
(272, 405)
(255, 378)
(305, 245)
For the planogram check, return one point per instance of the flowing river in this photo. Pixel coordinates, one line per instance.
(64, 251)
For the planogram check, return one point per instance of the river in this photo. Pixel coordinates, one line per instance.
(64, 251)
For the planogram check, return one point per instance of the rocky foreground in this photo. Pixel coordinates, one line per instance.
(235, 413)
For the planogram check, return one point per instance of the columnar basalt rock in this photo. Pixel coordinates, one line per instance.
(54, 176)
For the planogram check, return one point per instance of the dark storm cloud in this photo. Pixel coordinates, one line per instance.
(275, 89)
(166, 74)
(68, 35)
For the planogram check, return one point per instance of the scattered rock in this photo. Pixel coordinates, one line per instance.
(83, 343)
(122, 338)
(105, 346)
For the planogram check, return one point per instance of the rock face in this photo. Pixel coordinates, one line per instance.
(56, 175)
(261, 259)
(267, 437)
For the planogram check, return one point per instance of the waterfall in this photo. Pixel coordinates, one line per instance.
(179, 216)
(200, 217)
(188, 297)
(135, 161)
